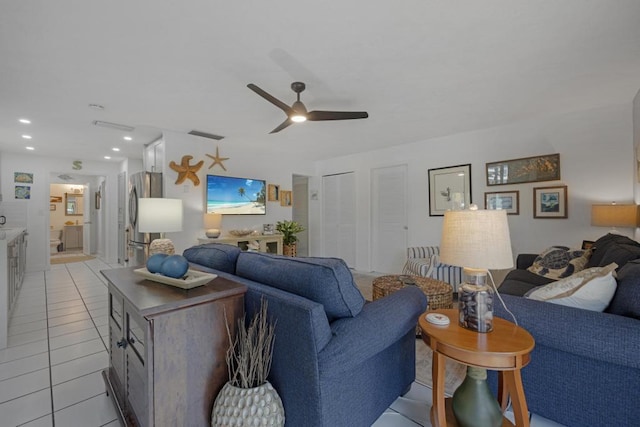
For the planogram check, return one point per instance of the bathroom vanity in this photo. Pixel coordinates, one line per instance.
(13, 248)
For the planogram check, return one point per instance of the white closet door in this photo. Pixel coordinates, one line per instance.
(339, 217)
(389, 218)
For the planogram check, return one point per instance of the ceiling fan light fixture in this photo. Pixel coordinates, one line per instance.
(298, 118)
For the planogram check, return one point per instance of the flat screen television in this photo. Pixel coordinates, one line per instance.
(228, 195)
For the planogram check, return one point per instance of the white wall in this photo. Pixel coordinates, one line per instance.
(34, 213)
(597, 165)
(275, 168)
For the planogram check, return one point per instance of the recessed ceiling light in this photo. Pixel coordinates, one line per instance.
(96, 106)
(107, 157)
(115, 149)
(30, 148)
(128, 138)
(26, 136)
(24, 121)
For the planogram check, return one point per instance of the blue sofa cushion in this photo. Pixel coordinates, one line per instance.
(626, 301)
(326, 281)
(217, 256)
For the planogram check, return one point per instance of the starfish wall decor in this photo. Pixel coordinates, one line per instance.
(217, 160)
(187, 171)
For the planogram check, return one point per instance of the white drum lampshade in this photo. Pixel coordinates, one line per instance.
(477, 240)
(159, 215)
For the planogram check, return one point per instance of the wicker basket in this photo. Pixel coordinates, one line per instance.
(439, 293)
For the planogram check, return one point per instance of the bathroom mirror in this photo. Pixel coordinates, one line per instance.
(74, 204)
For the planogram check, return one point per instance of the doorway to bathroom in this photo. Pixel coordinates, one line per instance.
(75, 217)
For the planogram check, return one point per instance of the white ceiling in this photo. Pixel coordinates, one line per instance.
(420, 68)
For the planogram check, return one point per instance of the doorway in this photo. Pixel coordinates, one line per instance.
(76, 222)
(389, 218)
(300, 212)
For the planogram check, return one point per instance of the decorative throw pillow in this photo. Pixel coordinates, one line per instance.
(557, 262)
(590, 289)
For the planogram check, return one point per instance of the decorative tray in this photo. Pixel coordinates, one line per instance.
(192, 279)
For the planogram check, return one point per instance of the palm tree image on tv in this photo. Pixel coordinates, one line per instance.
(235, 196)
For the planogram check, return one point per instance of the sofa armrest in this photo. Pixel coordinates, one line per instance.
(600, 336)
(380, 324)
(525, 261)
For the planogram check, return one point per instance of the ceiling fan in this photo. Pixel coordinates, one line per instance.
(298, 113)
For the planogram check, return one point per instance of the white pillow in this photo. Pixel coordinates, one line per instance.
(590, 289)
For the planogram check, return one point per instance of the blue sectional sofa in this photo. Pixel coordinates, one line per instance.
(585, 368)
(337, 360)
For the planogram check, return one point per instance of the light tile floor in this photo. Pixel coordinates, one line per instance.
(50, 372)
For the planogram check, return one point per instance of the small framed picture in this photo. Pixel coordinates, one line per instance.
(449, 189)
(550, 202)
(505, 200)
(286, 198)
(98, 200)
(587, 244)
(52, 207)
(273, 193)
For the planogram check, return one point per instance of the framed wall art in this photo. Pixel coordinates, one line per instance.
(273, 193)
(286, 198)
(505, 200)
(52, 207)
(449, 189)
(550, 202)
(98, 199)
(527, 169)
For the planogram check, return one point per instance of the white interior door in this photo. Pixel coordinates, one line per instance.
(339, 217)
(389, 218)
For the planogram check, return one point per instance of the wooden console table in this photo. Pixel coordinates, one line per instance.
(167, 348)
(271, 243)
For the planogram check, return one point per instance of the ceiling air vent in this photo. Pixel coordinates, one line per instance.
(206, 135)
(113, 126)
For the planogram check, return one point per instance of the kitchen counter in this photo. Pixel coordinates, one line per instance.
(12, 265)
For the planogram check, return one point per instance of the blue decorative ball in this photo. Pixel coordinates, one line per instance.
(154, 262)
(174, 266)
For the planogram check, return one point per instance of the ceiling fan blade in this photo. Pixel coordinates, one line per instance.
(318, 115)
(272, 99)
(283, 125)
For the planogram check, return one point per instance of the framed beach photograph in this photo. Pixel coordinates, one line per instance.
(449, 189)
(526, 169)
(504, 200)
(273, 193)
(550, 202)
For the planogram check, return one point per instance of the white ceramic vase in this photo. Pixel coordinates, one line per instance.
(258, 406)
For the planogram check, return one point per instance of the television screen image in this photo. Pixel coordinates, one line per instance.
(229, 195)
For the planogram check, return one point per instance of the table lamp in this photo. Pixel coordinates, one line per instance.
(158, 215)
(476, 240)
(212, 224)
(615, 215)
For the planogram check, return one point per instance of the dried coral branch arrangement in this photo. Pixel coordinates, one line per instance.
(250, 353)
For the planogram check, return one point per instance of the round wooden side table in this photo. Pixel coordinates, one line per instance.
(506, 349)
(439, 293)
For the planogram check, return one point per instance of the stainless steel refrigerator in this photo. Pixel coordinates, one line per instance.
(141, 184)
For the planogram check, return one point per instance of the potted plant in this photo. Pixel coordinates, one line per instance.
(248, 399)
(289, 229)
